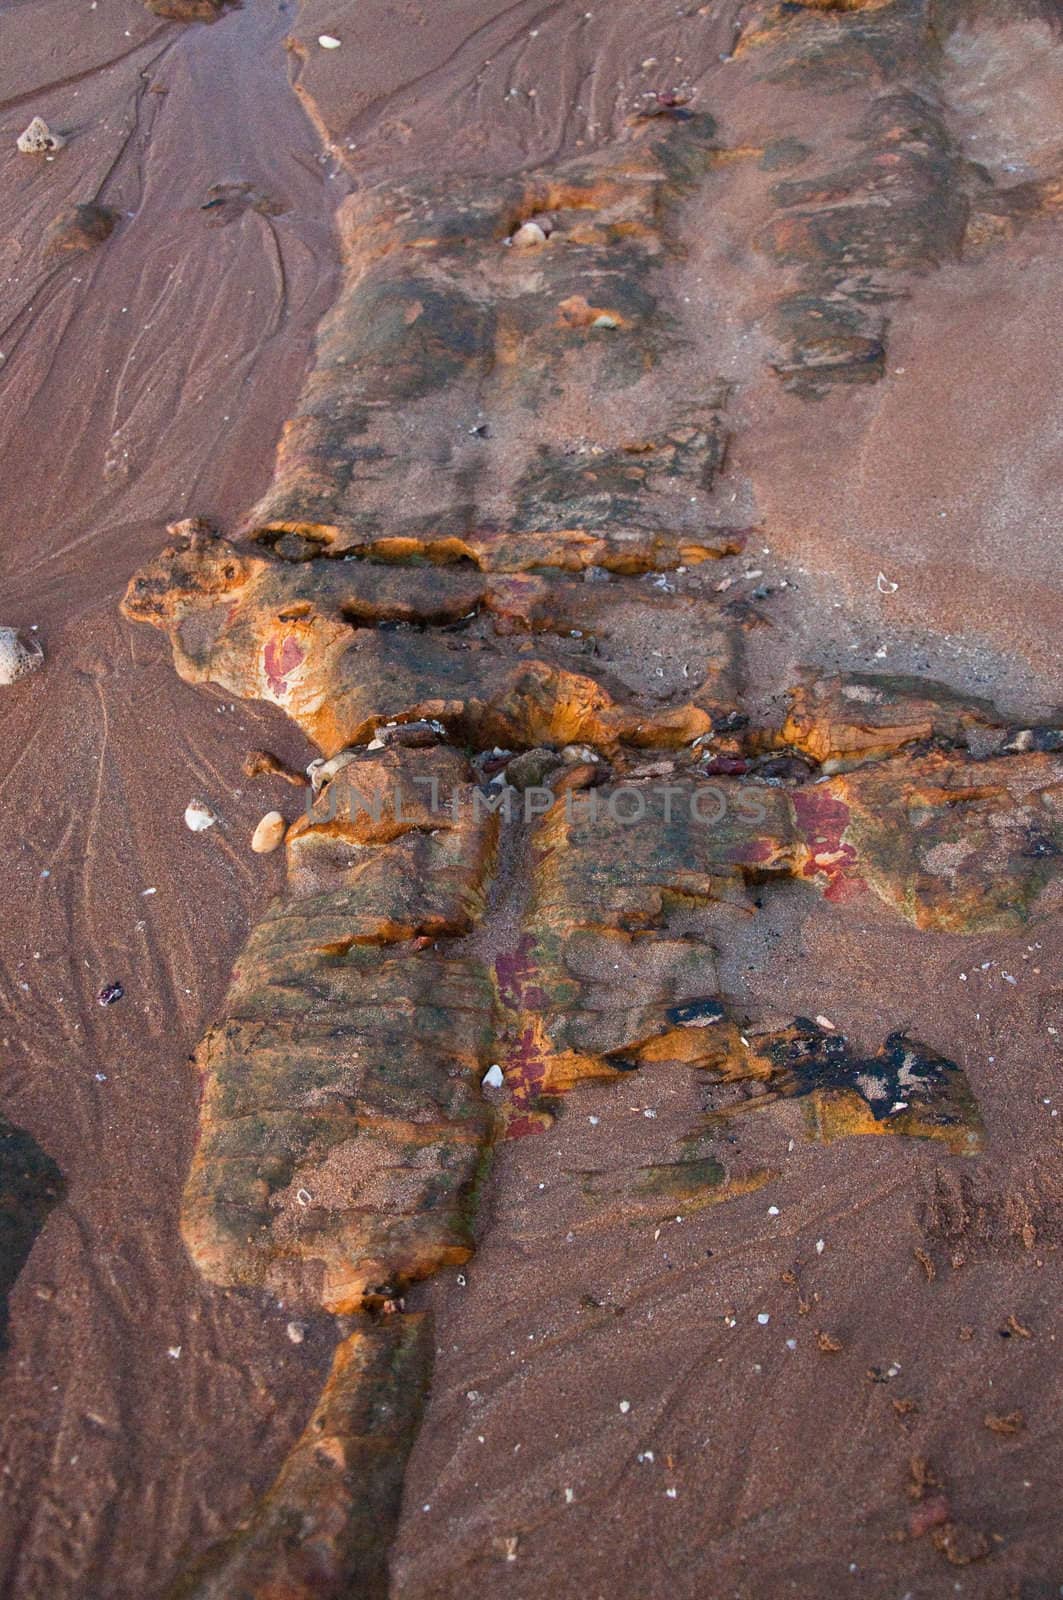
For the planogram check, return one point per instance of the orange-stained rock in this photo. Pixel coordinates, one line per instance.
(905, 1088)
(342, 1128)
(441, 415)
(954, 844)
(841, 722)
(343, 646)
(322, 1531)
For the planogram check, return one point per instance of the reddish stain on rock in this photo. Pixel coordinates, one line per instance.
(280, 660)
(823, 820)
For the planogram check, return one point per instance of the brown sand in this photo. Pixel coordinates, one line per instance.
(150, 378)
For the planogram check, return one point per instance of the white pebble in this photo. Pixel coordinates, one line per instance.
(327, 41)
(199, 817)
(38, 139)
(17, 657)
(494, 1077)
(625, 1406)
(763, 1317)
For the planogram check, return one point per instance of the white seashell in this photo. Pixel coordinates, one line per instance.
(199, 817)
(493, 1078)
(327, 41)
(17, 657)
(38, 139)
(269, 833)
(528, 235)
(321, 771)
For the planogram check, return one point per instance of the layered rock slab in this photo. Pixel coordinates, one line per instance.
(342, 1128)
(483, 372)
(522, 659)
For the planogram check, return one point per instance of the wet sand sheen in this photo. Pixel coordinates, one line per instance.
(154, 372)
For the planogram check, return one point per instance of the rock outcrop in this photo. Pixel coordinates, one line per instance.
(476, 516)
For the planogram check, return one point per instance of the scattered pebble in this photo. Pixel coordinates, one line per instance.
(625, 1406)
(296, 1332)
(763, 1317)
(527, 236)
(17, 657)
(269, 833)
(109, 994)
(79, 228)
(199, 817)
(38, 139)
(494, 1077)
(328, 41)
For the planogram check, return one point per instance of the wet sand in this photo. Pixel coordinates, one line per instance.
(139, 380)
(144, 1412)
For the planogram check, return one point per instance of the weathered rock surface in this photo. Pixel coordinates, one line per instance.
(317, 1532)
(343, 1129)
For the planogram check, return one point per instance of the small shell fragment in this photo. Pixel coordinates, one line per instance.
(269, 833)
(17, 657)
(199, 817)
(328, 41)
(493, 1078)
(38, 139)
